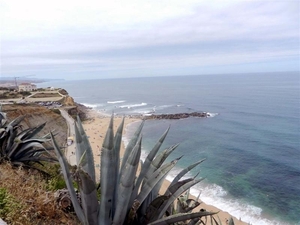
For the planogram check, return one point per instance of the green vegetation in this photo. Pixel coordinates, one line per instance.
(55, 179)
(22, 147)
(45, 95)
(24, 93)
(13, 94)
(9, 206)
(128, 197)
(25, 200)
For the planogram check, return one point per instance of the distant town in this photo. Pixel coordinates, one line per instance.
(21, 83)
(26, 91)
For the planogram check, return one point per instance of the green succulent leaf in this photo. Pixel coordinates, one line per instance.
(88, 193)
(67, 176)
(131, 144)
(107, 192)
(176, 194)
(182, 173)
(84, 146)
(126, 184)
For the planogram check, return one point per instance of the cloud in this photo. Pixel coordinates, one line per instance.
(152, 35)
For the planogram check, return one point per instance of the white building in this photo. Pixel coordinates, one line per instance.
(27, 87)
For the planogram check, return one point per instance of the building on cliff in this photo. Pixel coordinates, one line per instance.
(27, 87)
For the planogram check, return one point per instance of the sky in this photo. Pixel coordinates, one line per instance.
(90, 39)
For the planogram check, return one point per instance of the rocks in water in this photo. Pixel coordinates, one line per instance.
(177, 116)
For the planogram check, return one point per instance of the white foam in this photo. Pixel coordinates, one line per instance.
(115, 102)
(215, 195)
(212, 114)
(145, 111)
(133, 105)
(91, 105)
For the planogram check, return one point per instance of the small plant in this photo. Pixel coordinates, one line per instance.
(126, 196)
(56, 180)
(9, 207)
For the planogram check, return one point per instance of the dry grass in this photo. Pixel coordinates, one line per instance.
(45, 95)
(31, 202)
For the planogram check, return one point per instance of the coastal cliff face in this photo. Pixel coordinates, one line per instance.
(68, 101)
(36, 115)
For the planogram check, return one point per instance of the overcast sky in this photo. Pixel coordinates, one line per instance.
(135, 38)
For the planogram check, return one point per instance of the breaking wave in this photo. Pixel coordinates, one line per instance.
(93, 106)
(133, 105)
(115, 102)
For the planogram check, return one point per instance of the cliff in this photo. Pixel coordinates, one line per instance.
(36, 115)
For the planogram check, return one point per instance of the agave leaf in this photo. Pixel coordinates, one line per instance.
(24, 147)
(176, 194)
(11, 134)
(33, 131)
(2, 131)
(16, 121)
(116, 163)
(150, 157)
(231, 222)
(180, 217)
(173, 189)
(90, 166)
(40, 140)
(117, 145)
(80, 148)
(182, 173)
(214, 221)
(24, 132)
(28, 153)
(156, 176)
(186, 205)
(194, 221)
(88, 194)
(67, 176)
(107, 192)
(38, 159)
(126, 184)
(82, 159)
(2, 116)
(146, 165)
(156, 163)
(153, 207)
(131, 144)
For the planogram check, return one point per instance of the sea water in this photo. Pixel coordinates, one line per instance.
(250, 141)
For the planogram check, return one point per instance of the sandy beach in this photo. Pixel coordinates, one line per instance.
(96, 126)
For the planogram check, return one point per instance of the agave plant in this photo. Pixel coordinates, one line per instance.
(22, 147)
(127, 197)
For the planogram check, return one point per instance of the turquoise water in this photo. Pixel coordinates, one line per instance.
(251, 142)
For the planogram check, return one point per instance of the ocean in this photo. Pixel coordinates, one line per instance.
(251, 141)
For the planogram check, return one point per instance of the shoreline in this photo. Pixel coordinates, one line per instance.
(95, 127)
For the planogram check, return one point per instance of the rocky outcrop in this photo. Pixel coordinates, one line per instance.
(176, 116)
(68, 101)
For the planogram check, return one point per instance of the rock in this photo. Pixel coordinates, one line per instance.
(176, 116)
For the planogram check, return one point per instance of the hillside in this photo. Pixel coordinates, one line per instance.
(36, 115)
(26, 195)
